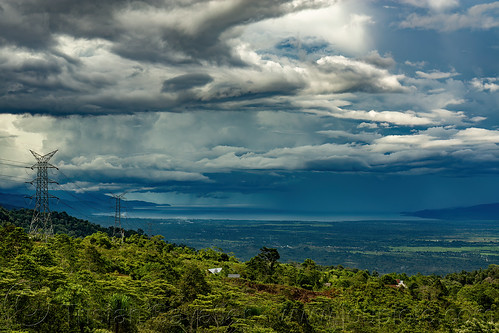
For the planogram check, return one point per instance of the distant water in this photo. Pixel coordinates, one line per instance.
(203, 213)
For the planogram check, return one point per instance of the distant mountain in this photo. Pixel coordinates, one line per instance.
(82, 205)
(478, 212)
(11, 201)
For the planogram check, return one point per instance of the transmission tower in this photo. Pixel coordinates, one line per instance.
(117, 217)
(149, 229)
(41, 222)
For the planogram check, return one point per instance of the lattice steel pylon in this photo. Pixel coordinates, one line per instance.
(117, 216)
(41, 223)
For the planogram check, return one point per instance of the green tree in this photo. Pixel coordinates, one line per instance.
(309, 276)
(193, 282)
(270, 256)
(120, 313)
(43, 256)
(94, 260)
(263, 266)
(290, 317)
(27, 267)
(13, 242)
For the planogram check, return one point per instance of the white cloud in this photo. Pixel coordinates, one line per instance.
(418, 64)
(432, 150)
(438, 138)
(408, 118)
(436, 74)
(478, 135)
(482, 16)
(367, 125)
(484, 84)
(344, 24)
(433, 4)
(339, 74)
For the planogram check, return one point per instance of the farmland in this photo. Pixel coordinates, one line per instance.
(413, 246)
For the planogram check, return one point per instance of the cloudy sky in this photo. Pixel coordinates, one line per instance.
(300, 106)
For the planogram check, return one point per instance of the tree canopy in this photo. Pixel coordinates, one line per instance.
(97, 283)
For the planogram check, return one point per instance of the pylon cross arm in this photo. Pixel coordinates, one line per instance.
(43, 158)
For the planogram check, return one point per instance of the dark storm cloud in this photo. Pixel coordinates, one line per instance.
(45, 83)
(338, 164)
(30, 75)
(252, 90)
(80, 57)
(185, 82)
(317, 92)
(35, 25)
(202, 39)
(374, 58)
(343, 74)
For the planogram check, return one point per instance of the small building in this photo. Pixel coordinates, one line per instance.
(234, 276)
(401, 284)
(215, 270)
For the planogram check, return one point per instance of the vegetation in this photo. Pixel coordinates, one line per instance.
(98, 283)
(410, 246)
(62, 223)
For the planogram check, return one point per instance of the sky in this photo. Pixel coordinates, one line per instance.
(299, 107)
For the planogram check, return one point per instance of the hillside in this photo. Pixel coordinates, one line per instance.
(62, 223)
(97, 283)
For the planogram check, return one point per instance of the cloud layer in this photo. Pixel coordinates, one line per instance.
(210, 97)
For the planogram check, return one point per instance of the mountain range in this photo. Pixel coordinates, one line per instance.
(478, 212)
(83, 205)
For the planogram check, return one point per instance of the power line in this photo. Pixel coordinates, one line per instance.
(14, 165)
(78, 186)
(81, 201)
(65, 203)
(9, 176)
(89, 218)
(19, 162)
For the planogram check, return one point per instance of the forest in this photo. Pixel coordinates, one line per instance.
(83, 279)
